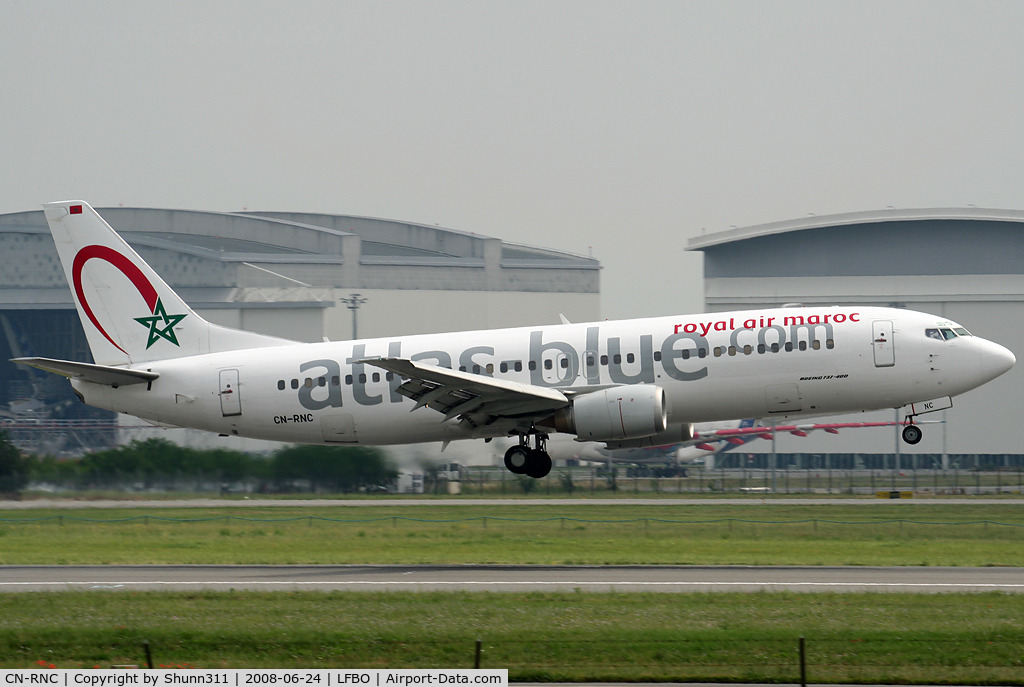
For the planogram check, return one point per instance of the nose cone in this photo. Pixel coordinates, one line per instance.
(995, 360)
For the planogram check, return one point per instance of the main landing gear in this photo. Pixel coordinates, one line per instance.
(532, 462)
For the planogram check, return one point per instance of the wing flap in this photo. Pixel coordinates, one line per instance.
(98, 374)
(454, 393)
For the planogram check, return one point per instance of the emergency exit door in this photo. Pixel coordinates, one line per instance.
(230, 400)
(885, 354)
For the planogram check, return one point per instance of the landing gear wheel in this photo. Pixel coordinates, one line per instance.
(539, 464)
(517, 459)
(911, 434)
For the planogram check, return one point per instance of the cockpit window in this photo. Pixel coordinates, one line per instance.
(946, 333)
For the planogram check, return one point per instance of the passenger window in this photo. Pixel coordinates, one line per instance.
(280, 385)
(322, 381)
(376, 376)
(362, 379)
(308, 383)
(533, 365)
(564, 362)
(490, 368)
(803, 345)
(335, 380)
(732, 350)
(348, 379)
(504, 367)
(630, 357)
(657, 355)
(775, 347)
(748, 349)
(547, 364)
(519, 366)
(816, 345)
(617, 359)
(295, 384)
(702, 352)
(789, 346)
(760, 348)
(686, 354)
(933, 334)
(604, 360)
(476, 369)
(389, 376)
(830, 343)
(718, 351)
(462, 368)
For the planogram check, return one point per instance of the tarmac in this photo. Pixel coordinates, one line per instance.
(512, 578)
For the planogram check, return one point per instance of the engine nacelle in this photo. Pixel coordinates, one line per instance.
(626, 412)
(676, 434)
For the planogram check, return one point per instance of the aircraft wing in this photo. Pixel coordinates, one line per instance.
(98, 374)
(456, 394)
(742, 435)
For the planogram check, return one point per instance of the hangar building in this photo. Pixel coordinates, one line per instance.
(301, 276)
(966, 265)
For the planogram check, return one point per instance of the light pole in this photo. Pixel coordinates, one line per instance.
(353, 302)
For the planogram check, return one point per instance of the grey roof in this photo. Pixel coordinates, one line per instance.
(207, 254)
(852, 218)
(239, 236)
(939, 241)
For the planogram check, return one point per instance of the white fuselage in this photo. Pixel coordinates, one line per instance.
(758, 363)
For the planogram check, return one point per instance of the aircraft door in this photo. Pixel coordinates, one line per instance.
(885, 354)
(230, 400)
(339, 429)
(591, 367)
(556, 366)
(783, 398)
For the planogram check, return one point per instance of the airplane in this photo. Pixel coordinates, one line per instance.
(714, 439)
(627, 384)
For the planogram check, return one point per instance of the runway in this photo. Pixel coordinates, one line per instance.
(62, 504)
(505, 578)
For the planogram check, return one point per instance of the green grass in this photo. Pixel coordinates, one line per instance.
(884, 638)
(779, 534)
(962, 638)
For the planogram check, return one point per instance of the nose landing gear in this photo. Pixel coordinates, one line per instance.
(532, 462)
(911, 434)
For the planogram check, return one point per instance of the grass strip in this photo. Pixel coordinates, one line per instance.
(828, 534)
(868, 638)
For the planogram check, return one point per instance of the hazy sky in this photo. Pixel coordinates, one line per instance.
(627, 127)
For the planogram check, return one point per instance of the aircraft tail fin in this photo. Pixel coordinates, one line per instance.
(130, 315)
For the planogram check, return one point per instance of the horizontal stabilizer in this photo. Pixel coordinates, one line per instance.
(98, 374)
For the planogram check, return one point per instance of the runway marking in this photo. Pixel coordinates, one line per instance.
(440, 583)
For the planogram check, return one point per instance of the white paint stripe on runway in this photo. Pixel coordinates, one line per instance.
(449, 583)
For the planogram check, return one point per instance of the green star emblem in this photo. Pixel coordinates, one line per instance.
(159, 317)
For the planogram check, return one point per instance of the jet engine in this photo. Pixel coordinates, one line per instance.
(676, 434)
(626, 412)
